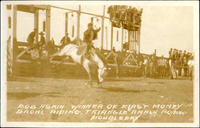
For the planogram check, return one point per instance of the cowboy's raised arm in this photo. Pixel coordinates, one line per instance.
(97, 30)
(61, 41)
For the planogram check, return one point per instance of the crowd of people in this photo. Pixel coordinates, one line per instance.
(41, 47)
(155, 66)
(89, 35)
(180, 60)
(150, 64)
(180, 57)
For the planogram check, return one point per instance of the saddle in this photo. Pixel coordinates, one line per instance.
(82, 49)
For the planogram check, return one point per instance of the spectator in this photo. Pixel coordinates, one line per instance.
(180, 59)
(42, 39)
(170, 53)
(31, 37)
(113, 49)
(173, 55)
(65, 40)
(42, 43)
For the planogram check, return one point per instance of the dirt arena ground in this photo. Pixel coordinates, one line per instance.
(30, 93)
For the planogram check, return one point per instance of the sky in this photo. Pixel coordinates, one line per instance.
(167, 27)
(163, 27)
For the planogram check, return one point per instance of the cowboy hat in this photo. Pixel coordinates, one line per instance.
(90, 24)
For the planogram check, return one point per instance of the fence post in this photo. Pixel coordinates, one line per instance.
(78, 22)
(138, 40)
(66, 24)
(36, 21)
(122, 39)
(102, 28)
(47, 29)
(14, 31)
(111, 45)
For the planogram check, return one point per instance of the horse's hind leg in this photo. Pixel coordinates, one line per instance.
(100, 79)
(86, 66)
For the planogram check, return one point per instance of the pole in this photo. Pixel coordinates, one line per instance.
(135, 40)
(122, 38)
(66, 24)
(138, 40)
(78, 22)
(102, 28)
(47, 28)
(129, 35)
(106, 38)
(14, 32)
(36, 20)
(14, 21)
(111, 45)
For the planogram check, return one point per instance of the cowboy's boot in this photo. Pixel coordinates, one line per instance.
(88, 55)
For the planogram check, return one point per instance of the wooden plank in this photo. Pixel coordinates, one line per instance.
(73, 10)
(42, 7)
(26, 8)
(112, 65)
(131, 66)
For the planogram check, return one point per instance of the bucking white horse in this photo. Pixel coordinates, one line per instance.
(73, 51)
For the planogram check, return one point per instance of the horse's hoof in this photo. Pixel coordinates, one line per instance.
(99, 84)
(89, 84)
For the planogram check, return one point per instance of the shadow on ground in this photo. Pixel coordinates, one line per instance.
(25, 95)
(118, 89)
(21, 95)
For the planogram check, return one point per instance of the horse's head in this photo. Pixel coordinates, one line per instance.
(77, 41)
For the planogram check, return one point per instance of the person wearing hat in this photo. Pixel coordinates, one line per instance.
(89, 35)
(41, 43)
(42, 39)
(31, 37)
(173, 55)
(170, 53)
(65, 40)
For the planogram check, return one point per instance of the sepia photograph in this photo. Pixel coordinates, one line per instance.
(128, 63)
